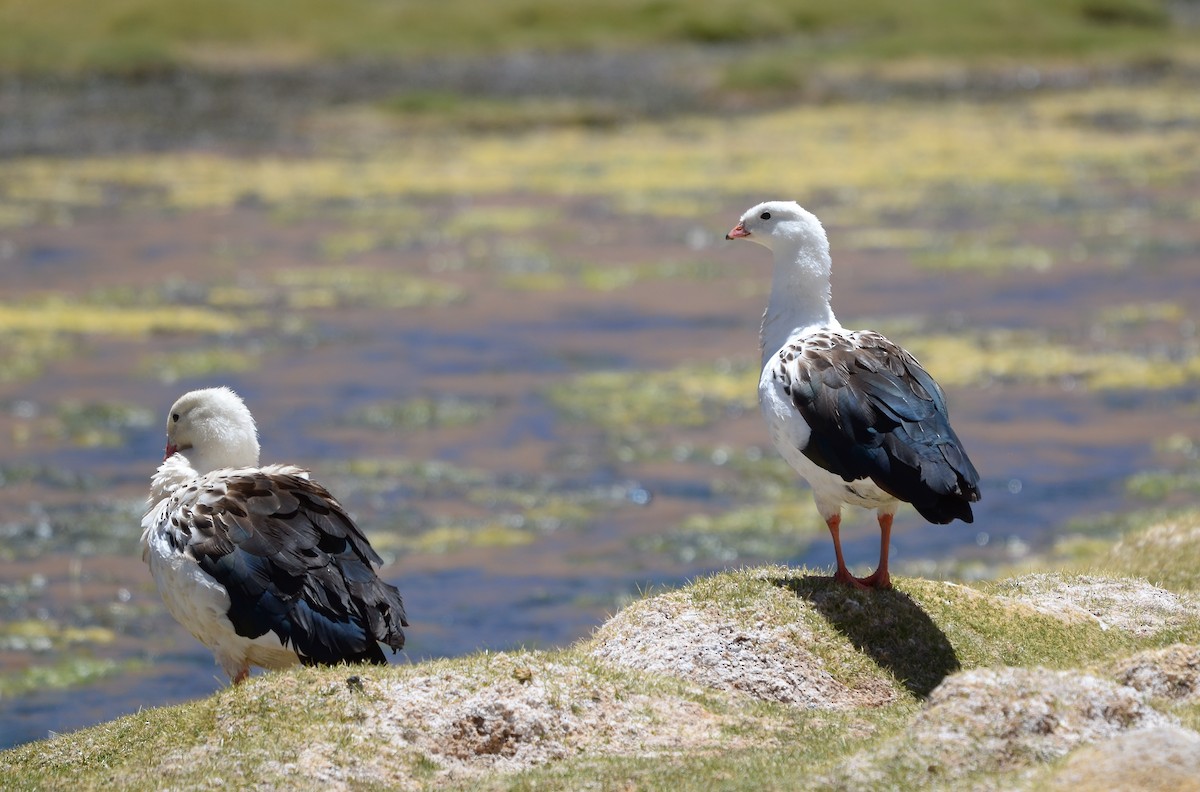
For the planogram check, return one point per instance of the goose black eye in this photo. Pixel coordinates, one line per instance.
(765, 215)
(175, 417)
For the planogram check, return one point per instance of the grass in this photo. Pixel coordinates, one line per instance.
(876, 161)
(346, 287)
(1165, 553)
(104, 424)
(197, 362)
(23, 355)
(442, 508)
(141, 35)
(70, 646)
(446, 110)
(64, 673)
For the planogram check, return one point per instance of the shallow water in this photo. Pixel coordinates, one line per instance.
(535, 525)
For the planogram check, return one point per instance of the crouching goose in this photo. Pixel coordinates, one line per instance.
(261, 564)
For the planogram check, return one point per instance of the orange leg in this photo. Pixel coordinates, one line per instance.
(880, 579)
(242, 674)
(842, 575)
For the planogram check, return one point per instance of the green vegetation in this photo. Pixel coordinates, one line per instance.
(200, 362)
(967, 359)
(881, 159)
(1166, 553)
(100, 424)
(630, 401)
(57, 315)
(138, 35)
(64, 673)
(447, 508)
(1181, 477)
(74, 665)
(444, 176)
(24, 354)
(343, 287)
(451, 111)
(775, 530)
(425, 412)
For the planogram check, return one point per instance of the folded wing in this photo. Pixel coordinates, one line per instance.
(875, 414)
(292, 561)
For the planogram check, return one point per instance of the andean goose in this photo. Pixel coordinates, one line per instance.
(260, 564)
(852, 412)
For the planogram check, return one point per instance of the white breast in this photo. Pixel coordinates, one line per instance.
(199, 603)
(791, 434)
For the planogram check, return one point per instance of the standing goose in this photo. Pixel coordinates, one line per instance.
(260, 564)
(852, 412)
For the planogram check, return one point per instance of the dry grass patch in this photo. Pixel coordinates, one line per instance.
(513, 711)
(783, 635)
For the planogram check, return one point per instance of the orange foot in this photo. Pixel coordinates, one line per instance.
(843, 576)
(880, 580)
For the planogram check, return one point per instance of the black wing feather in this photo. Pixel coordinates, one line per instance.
(875, 413)
(293, 562)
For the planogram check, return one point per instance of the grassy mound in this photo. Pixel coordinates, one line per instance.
(757, 678)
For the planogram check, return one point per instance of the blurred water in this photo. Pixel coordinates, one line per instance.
(1049, 453)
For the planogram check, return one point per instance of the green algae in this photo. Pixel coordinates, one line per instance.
(60, 315)
(1004, 355)
(67, 672)
(424, 412)
(632, 401)
(777, 530)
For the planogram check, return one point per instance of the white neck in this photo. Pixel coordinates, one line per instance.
(800, 294)
(181, 467)
(235, 453)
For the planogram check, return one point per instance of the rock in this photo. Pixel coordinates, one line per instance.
(1003, 716)
(1171, 673)
(1123, 603)
(989, 721)
(515, 711)
(1160, 759)
(698, 641)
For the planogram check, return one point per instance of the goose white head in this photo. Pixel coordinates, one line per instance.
(782, 226)
(212, 429)
(800, 291)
